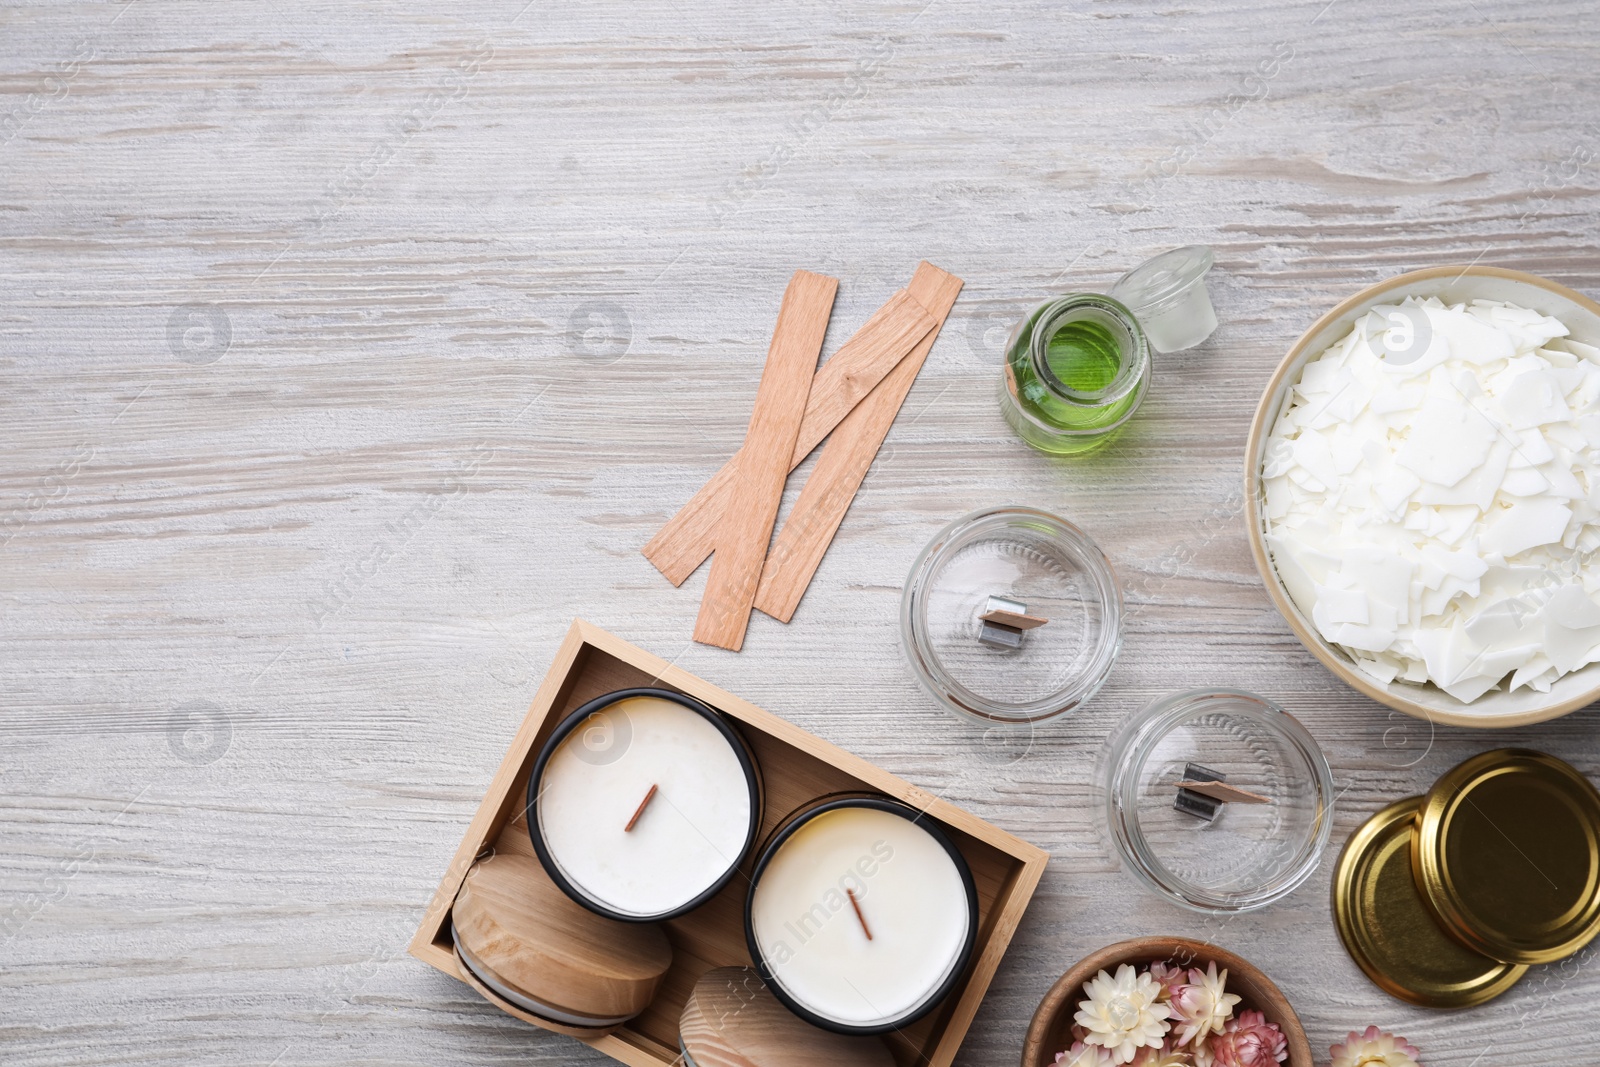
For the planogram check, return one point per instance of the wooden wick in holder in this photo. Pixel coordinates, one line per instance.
(1202, 792)
(851, 893)
(645, 803)
(1004, 621)
(1224, 792)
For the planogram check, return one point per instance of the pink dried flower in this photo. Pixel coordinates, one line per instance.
(1375, 1048)
(1201, 1005)
(1168, 977)
(1249, 1041)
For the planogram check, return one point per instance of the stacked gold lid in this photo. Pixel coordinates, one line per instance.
(1444, 900)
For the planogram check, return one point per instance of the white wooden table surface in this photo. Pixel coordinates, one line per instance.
(349, 350)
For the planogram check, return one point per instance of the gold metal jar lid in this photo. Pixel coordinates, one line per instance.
(1390, 933)
(1507, 855)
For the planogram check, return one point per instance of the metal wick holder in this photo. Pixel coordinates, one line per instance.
(1004, 621)
(1203, 792)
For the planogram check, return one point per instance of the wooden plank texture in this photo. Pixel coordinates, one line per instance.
(757, 487)
(849, 374)
(349, 351)
(829, 491)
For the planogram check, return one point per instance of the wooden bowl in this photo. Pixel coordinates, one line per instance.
(1051, 1029)
(1452, 285)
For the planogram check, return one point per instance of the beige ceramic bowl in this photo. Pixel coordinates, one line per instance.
(1452, 285)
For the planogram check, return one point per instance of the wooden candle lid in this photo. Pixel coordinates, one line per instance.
(731, 1020)
(556, 963)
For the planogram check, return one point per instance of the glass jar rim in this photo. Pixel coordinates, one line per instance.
(1055, 313)
(953, 694)
(1131, 747)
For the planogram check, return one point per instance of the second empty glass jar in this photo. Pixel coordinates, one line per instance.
(1249, 854)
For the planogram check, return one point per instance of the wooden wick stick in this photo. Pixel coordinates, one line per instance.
(645, 803)
(1228, 794)
(851, 893)
(1017, 620)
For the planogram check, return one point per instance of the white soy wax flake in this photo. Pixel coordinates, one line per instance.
(1447, 442)
(1432, 496)
(1534, 398)
(1525, 482)
(1564, 484)
(1581, 350)
(1525, 525)
(1478, 487)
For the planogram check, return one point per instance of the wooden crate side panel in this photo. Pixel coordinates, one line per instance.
(994, 938)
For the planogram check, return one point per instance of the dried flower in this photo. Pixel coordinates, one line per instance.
(1165, 1056)
(1169, 976)
(1375, 1048)
(1122, 1013)
(1082, 1055)
(1202, 1005)
(1248, 1041)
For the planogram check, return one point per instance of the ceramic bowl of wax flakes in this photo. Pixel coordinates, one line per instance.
(1422, 495)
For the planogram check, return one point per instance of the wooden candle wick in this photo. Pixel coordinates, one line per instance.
(851, 893)
(645, 803)
(1228, 794)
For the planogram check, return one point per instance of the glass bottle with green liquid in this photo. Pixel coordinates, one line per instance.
(1076, 370)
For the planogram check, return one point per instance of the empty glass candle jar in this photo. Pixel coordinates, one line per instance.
(1076, 369)
(1217, 799)
(1038, 563)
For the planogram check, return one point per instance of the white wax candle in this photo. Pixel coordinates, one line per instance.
(691, 833)
(912, 899)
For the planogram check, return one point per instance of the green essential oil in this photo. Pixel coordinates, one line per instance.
(1075, 371)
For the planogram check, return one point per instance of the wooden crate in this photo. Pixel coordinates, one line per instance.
(796, 767)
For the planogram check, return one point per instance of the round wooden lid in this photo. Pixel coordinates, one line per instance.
(731, 1020)
(511, 921)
